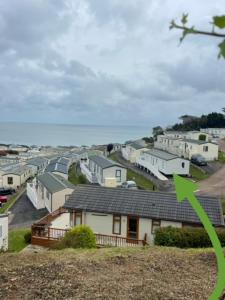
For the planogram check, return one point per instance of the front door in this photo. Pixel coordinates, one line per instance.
(132, 227)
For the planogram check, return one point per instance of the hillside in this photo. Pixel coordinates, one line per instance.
(152, 273)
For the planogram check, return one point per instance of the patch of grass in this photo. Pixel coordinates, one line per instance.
(113, 156)
(140, 180)
(8, 204)
(74, 178)
(221, 157)
(197, 174)
(16, 239)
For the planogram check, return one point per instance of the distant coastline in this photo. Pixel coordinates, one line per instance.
(68, 135)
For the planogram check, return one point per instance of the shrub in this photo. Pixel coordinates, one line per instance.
(27, 237)
(78, 237)
(186, 237)
(82, 179)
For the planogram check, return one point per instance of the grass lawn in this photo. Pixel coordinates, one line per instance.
(74, 178)
(140, 180)
(8, 204)
(16, 239)
(197, 174)
(221, 157)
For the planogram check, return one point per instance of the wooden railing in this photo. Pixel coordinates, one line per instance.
(54, 234)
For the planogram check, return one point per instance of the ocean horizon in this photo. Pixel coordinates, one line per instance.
(68, 134)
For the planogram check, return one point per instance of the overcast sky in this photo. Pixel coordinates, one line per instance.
(107, 62)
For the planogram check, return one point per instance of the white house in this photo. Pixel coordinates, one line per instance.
(215, 132)
(4, 232)
(193, 135)
(49, 191)
(163, 162)
(131, 151)
(123, 217)
(104, 171)
(5, 160)
(186, 148)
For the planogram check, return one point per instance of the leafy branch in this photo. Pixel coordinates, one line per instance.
(218, 22)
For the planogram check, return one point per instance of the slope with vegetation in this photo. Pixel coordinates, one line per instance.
(112, 273)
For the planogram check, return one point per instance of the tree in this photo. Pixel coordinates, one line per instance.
(157, 131)
(109, 148)
(218, 22)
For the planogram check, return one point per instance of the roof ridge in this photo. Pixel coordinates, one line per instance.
(58, 180)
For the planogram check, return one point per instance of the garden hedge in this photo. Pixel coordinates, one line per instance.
(186, 237)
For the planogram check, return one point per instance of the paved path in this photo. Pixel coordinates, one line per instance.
(23, 213)
(161, 185)
(214, 185)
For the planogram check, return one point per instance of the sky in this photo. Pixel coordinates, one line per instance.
(108, 62)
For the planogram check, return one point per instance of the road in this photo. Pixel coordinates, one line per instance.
(215, 184)
(24, 214)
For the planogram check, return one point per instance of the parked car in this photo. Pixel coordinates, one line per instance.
(3, 199)
(8, 191)
(198, 160)
(129, 185)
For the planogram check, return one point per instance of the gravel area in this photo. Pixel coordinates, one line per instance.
(154, 273)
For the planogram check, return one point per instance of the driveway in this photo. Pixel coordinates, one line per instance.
(214, 185)
(24, 214)
(161, 185)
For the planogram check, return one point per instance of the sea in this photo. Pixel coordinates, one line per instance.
(68, 135)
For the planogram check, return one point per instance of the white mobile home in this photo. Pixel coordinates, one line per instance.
(4, 232)
(38, 163)
(106, 171)
(49, 191)
(132, 151)
(186, 148)
(193, 135)
(17, 175)
(214, 132)
(164, 162)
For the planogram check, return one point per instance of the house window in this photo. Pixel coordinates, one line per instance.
(47, 195)
(10, 180)
(155, 225)
(76, 218)
(183, 164)
(116, 224)
(205, 148)
(118, 175)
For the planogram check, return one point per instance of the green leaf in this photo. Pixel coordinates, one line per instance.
(222, 49)
(219, 21)
(184, 19)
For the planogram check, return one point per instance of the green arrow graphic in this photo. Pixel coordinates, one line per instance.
(185, 190)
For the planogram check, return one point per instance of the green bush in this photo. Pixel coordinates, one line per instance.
(78, 237)
(186, 237)
(27, 237)
(82, 179)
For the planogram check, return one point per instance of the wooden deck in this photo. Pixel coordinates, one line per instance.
(46, 236)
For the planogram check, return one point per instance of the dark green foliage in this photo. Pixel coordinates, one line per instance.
(202, 137)
(27, 237)
(223, 205)
(186, 237)
(148, 140)
(78, 237)
(82, 179)
(109, 148)
(212, 120)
